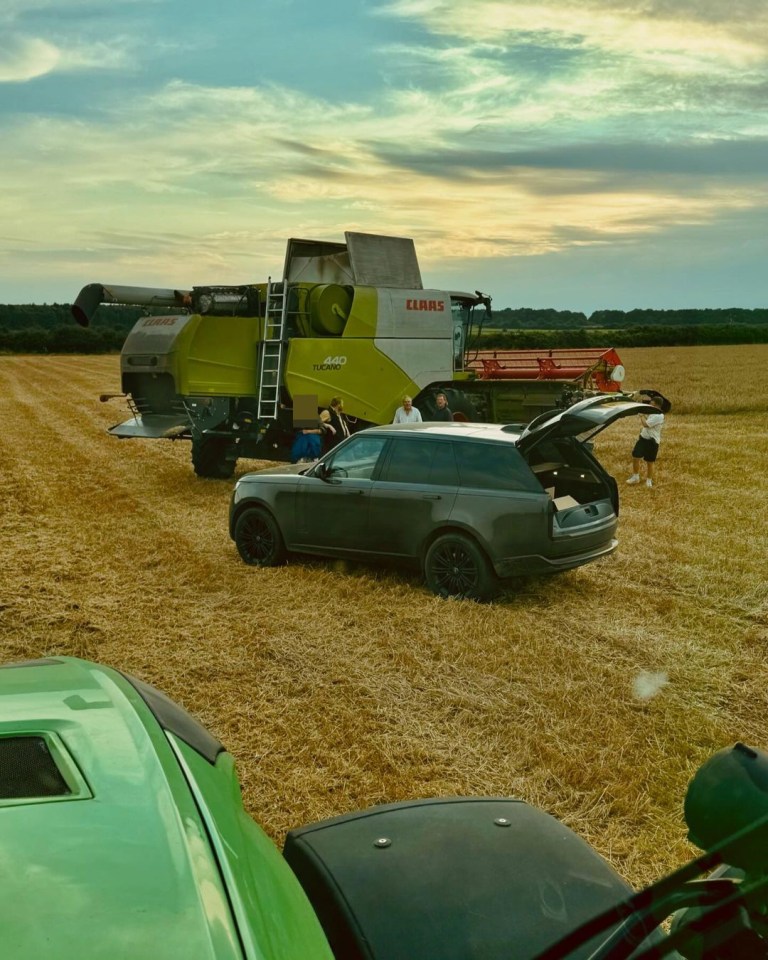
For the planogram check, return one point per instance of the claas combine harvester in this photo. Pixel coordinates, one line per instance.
(226, 366)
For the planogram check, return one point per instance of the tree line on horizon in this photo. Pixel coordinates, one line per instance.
(50, 328)
(527, 318)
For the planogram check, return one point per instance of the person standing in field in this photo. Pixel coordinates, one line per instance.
(647, 446)
(407, 413)
(442, 411)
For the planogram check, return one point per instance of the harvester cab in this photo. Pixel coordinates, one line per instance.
(227, 367)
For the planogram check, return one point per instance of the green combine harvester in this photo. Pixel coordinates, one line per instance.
(230, 367)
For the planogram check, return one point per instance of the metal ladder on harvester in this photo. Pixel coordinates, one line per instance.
(273, 345)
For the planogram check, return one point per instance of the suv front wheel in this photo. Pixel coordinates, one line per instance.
(455, 566)
(258, 538)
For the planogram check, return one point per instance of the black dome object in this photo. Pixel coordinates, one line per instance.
(457, 878)
(727, 794)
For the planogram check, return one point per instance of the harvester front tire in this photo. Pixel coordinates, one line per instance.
(258, 538)
(455, 566)
(209, 457)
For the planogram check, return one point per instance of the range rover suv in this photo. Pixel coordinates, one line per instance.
(471, 503)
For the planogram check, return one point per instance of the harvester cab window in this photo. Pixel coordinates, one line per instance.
(461, 314)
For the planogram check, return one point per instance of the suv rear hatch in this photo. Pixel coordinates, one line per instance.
(584, 496)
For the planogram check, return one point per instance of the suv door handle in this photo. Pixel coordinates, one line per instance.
(354, 493)
(430, 496)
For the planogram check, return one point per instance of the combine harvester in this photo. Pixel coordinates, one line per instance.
(230, 367)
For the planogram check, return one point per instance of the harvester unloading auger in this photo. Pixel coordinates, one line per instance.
(227, 367)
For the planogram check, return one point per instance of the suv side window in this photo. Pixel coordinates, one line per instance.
(358, 458)
(494, 466)
(443, 470)
(418, 460)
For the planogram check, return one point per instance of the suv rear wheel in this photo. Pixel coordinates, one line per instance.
(258, 538)
(455, 566)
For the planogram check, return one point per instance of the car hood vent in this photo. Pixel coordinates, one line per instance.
(27, 770)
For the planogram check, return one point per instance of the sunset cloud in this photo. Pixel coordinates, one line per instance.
(688, 30)
(488, 133)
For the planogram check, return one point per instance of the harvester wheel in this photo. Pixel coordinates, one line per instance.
(209, 457)
(455, 566)
(258, 538)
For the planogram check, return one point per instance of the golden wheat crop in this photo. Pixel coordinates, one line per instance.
(594, 694)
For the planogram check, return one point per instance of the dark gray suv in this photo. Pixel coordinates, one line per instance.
(472, 503)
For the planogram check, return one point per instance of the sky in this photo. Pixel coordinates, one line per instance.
(572, 154)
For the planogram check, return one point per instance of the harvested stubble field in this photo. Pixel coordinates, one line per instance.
(339, 686)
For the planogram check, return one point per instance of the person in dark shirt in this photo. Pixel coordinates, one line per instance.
(443, 411)
(339, 421)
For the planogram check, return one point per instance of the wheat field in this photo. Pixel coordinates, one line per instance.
(593, 694)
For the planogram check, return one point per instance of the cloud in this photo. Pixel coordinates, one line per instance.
(495, 134)
(237, 170)
(492, 96)
(731, 158)
(24, 58)
(689, 31)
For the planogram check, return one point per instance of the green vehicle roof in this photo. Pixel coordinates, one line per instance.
(123, 836)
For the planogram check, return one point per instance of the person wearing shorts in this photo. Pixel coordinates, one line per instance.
(646, 450)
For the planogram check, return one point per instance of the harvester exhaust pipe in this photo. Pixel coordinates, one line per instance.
(90, 297)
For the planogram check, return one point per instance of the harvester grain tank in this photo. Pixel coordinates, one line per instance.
(227, 366)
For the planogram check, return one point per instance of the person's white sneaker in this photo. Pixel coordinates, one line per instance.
(635, 478)
(649, 483)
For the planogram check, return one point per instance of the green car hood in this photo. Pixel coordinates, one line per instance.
(125, 858)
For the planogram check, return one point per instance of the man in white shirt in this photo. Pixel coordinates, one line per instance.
(407, 413)
(647, 446)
